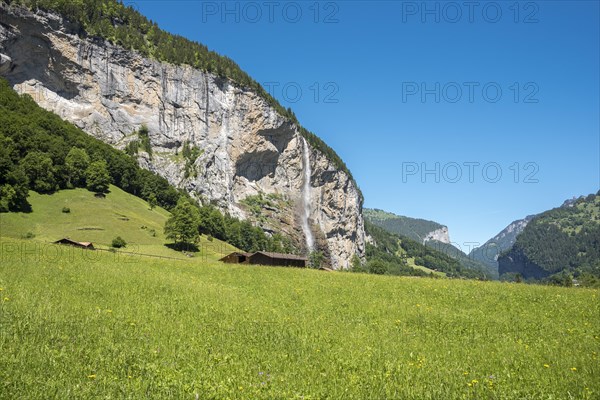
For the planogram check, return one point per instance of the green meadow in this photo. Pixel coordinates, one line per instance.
(96, 324)
(100, 220)
(84, 324)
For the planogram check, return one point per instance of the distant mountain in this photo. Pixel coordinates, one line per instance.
(403, 256)
(429, 233)
(564, 239)
(417, 229)
(488, 253)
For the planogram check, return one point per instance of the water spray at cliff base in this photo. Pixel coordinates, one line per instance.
(306, 198)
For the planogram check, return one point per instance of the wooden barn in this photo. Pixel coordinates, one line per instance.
(278, 259)
(236, 258)
(69, 242)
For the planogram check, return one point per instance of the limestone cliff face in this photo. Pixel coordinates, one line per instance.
(246, 148)
(440, 235)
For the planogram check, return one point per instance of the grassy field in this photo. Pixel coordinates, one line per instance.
(92, 325)
(99, 220)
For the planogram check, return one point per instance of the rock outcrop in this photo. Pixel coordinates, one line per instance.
(439, 235)
(489, 252)
(245, 147)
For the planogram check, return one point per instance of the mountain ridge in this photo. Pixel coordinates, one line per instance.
(565, 239)
(429, 233)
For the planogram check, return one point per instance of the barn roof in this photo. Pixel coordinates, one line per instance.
(236, 253)
(74, 242)
(282, 256)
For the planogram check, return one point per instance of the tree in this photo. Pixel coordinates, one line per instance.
(118, 242)
(356, 264)
(7, 198)
(97, 177)
(14, 193)
(315, 259)
(377, 267)
(152, 201)
(39, 169)
(182, 225)
(77, 162)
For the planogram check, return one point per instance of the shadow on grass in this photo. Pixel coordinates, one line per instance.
(183, 247)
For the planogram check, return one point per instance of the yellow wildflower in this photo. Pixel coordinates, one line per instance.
(573, 369)
(546, 366)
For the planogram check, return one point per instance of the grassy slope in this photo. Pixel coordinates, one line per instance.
(413, 228)
(151, 328)
(118, 214)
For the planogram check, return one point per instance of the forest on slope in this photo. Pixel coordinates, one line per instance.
(41, 152)
(124, 26)
(564, 240)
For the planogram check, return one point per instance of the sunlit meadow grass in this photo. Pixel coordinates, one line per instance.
(104, 327)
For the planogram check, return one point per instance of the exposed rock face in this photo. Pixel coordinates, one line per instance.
(247, 147)
(440, 235)
(488, 253)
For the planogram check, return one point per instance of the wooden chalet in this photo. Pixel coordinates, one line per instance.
(265, 258)
(278, 259)
(236, 257)
(69, 242)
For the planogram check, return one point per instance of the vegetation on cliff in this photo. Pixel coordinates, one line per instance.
(126, 27)
(41, 152)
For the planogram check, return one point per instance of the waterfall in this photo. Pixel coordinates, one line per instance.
(306, 198)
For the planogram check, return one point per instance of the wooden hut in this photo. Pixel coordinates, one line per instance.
(236, 258)
(69, 242)
(278, 259)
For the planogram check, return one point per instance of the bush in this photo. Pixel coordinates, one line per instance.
(66, 210)
(377, 267)
(118, 242)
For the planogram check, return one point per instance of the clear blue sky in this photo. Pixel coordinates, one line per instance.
(369, 61)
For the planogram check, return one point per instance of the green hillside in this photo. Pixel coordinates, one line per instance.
(465, 260)
(151, 328)
(412, 228)
(398, 255)
(98, 220)
(562, 240)
(488, 253)
(417, 229)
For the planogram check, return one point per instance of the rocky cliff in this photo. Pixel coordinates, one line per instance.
(488, 253)
(439, 235)
(244, 148)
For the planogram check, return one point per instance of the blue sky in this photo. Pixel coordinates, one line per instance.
(369, 74)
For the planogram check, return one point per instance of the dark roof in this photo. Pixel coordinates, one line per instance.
(236, 253)
(282, 256)
(84, 244)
